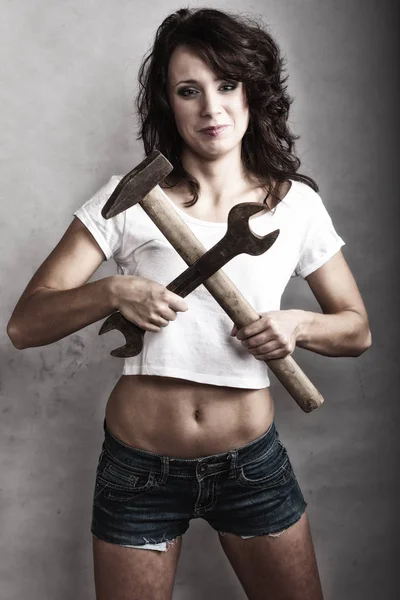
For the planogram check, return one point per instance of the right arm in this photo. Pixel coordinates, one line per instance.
(58, 300)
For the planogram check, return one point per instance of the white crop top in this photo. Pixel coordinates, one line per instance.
(198, 346)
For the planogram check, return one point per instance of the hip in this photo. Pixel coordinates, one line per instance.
(144, 499)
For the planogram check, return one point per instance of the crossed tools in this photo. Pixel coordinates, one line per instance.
(140, 186)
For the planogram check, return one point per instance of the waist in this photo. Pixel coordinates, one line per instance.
(178, 417)
(188, 467)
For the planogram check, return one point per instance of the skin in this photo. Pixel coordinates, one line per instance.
(216, 163)
(199, 100)
(202, 419)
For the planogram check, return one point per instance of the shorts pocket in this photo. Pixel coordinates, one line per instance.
(268, 471)
(115, 481)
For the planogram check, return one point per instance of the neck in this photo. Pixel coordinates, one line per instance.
(220, 179)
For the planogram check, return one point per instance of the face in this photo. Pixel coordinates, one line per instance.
(211, 114)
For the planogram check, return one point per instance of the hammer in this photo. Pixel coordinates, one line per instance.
(141, 186)
(238, 239)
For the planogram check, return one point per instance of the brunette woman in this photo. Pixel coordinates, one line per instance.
(189, 429)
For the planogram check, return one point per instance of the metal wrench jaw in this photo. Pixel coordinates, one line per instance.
(239, 228)
(268, 240)
(132, 333)
(244, 210)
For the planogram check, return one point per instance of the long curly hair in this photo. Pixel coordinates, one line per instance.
(234, 48)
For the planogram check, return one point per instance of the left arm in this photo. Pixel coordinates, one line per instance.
(341, 330)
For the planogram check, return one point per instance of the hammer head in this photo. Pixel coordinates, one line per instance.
(137, 184)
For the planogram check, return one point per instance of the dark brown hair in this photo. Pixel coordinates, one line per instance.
(235, 48)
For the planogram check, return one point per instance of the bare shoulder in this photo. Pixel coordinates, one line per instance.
(71, 264)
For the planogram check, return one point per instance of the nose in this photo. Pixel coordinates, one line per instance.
(211, 105)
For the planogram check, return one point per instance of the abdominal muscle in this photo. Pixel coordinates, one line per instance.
(184, 419)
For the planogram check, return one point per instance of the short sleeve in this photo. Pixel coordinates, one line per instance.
(320, 240)
(108, 233)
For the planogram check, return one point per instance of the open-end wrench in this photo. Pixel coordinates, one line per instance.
(238, 239)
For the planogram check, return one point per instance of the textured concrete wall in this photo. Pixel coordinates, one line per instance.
(68, 78)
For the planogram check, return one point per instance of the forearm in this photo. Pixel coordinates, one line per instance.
(50, 315)
(345, 333)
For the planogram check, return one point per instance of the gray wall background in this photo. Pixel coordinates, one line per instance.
(68, 79)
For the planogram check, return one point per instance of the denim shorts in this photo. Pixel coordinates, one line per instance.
(145, 500)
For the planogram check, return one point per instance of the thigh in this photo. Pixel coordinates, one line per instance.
(122, 573)
(279, 567)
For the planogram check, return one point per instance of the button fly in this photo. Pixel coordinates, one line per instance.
(203, 468)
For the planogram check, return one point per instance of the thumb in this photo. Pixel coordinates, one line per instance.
(234, 330)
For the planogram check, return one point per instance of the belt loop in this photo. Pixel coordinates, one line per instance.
(233, 454)
(164, 469)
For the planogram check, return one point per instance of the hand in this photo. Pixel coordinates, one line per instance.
(272, 336)
(147, 303)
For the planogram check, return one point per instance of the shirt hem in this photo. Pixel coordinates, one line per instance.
(321, 261)
(91, 226)
(206, 378)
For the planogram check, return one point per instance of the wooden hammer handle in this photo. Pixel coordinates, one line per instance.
(160, 209)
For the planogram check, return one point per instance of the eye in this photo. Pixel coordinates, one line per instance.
(190, 92)
(187, 92)
(228, 87)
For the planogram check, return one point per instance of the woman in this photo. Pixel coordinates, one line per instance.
(189, 428)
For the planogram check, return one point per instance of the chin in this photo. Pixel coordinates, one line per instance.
(215, 150)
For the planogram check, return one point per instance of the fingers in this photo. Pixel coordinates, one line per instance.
(159, 322)
(276, 348)
(176, 303)
(163, 317)
(162, 310)
(271, 336)
(253, 329)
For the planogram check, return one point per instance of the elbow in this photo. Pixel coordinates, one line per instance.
(15, 336)
(364, 342)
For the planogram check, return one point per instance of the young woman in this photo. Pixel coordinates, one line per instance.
(189, 429)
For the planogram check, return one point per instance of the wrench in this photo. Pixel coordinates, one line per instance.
(238, 239)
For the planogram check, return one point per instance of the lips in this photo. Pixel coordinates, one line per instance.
(215, 130)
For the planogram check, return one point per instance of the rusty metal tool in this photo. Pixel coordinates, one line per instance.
(239, 239)
(141, 186)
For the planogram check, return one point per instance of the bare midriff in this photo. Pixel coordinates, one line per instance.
(181, 418)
